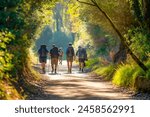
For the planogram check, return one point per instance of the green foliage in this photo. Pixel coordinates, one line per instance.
(103, 41)
(139, 42)
(136, 6)
(9, 3)
(2, 94)
(92, 63)
(126, 75)
(5, 57)
(105, 71)
(19, 21)
(148, 72)
(123, 76)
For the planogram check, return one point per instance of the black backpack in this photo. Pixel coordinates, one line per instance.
(83, 53)
(43, 52)
(70, 52)
(54, 52)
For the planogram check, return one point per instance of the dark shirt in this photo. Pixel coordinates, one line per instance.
(81, 53)
(54, 52)
(42, 52)
(70, 52)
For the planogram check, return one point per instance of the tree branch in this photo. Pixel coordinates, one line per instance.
(87, 3)
(123, 40)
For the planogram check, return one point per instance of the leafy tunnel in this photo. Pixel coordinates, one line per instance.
(113, 32)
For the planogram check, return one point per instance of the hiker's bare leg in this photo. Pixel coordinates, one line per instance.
(70, 66)
(52, 64)
(56, 64)
(43, 66)
(82, 65)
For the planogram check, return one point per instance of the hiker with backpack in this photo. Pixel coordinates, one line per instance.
(54, 54)
(82, 57)
(61, 53)
(70, 56)
(43, 52)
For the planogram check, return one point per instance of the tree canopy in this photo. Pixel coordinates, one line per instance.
(112, 31)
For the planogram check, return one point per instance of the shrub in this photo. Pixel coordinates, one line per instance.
(124, 76)
(92, 63)
(105, 71)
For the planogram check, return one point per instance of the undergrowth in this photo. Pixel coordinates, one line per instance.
(105, 71)
(122, 75)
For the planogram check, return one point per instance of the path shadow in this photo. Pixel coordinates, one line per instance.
(75, 86)
(73, 90)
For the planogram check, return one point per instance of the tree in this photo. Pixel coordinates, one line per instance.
(122, 39)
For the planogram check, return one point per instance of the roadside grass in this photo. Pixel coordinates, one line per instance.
(124, 75)
(9, 88)
(8, 91)
(105, 71)
(93, 63)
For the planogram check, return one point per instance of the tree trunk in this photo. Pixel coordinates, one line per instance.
(121, 55)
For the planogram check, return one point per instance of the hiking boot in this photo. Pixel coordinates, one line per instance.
(52, 71)
(82, 70)
(70, 71)
(55, 71)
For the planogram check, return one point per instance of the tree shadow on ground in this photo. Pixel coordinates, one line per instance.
(76, 86)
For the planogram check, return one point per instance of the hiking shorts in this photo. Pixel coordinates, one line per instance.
(54, 61)
(42, 59)
(70, 58)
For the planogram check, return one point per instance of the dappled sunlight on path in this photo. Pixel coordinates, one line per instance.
(77, 86)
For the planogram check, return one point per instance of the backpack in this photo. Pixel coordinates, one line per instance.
(54, 52)
(70, 52)
(43, 52)
(60, 53)
(83, 54)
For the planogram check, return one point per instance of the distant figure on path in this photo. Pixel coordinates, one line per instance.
(43, 57)
(61, 53)
(54, 58)
(82, 57)
(70, 56)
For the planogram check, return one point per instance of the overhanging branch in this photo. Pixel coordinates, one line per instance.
(87, 3)
(123, 40)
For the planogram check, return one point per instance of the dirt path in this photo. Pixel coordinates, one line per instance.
(76, 86)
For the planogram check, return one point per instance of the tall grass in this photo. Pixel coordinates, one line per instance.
(92, 63)
(106, 71)
(126, 74)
